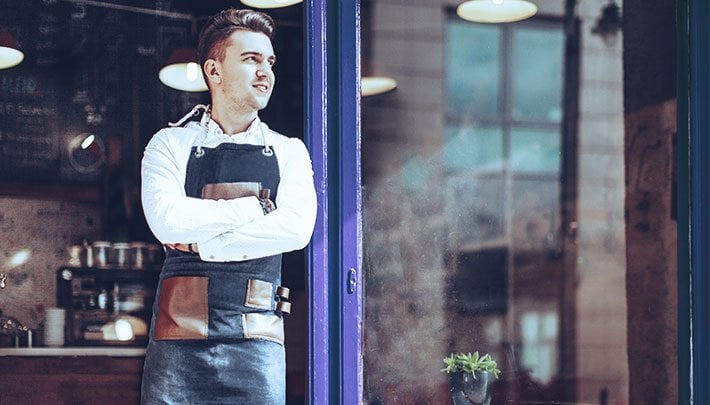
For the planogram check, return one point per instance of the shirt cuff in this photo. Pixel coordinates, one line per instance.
(211, 251)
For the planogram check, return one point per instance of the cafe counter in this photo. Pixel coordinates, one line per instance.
(71, 375)
(73, 351)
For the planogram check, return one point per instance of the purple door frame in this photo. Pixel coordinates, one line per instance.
(350, 215)
(316, 122)
(335, 255)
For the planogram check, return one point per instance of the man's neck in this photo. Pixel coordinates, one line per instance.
(233, 122)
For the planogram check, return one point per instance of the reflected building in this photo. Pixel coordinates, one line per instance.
(504, 183)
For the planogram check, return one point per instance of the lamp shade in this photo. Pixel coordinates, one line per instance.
(374, 85)
(270, 3)
(496, 11)
(183, 72)
(10, 54)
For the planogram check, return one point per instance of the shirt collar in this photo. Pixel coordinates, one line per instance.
(213, 128)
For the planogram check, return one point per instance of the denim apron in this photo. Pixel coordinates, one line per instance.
(216, 336)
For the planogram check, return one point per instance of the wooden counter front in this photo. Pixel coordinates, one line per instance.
(70, 380)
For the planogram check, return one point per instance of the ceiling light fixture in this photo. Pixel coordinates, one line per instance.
(270, 3)
(496, 11)
(183, 72)
(10, 54)
(374, 85)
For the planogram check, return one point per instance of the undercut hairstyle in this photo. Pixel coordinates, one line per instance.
(213, 39)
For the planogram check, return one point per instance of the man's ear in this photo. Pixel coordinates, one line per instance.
(212, 71)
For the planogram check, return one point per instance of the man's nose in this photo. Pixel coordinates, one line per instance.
(263, 71)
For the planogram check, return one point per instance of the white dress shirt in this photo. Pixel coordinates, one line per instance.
(227, 230)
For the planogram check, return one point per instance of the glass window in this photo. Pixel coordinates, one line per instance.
(537, 64)
(472, 69)
(496, 218)
(473, 148)
(535, 151)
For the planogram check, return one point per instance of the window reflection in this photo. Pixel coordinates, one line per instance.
(473, 74)
(494, 206)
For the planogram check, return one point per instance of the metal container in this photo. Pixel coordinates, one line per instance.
(119, 254)
(138, 255)
(100, 252)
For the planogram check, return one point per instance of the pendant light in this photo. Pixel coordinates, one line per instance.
(374, 85)
(10, 54)
(270, 3)
(373, 80)
(496, 11)
(183, 72)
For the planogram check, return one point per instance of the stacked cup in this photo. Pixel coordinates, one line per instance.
(54, 327)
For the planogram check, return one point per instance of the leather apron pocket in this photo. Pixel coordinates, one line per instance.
(266, 326)
(183, 310)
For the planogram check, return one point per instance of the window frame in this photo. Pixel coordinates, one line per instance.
(335, 256)
(693, 184)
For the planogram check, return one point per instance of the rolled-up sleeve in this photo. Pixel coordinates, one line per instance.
(172, 216)
(289, 227)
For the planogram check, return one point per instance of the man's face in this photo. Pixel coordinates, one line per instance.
(246, 71)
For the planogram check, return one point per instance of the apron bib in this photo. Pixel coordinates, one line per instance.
(217, 329)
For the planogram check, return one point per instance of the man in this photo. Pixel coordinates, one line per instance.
(227, 197)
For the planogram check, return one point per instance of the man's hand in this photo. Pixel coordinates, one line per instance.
(184, 247)
(267, 205)
(265, 200)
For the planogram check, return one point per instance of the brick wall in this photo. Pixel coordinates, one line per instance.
(44, 229)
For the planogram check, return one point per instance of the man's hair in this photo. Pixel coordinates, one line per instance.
(213, 39)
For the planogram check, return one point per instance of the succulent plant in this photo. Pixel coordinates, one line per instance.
(470, 363)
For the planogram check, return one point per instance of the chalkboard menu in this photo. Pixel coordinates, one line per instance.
(28, 113)
(86, 99)
(88, 80)
(29, 103)
(48, 103)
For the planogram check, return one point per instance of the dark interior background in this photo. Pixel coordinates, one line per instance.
(92, 68)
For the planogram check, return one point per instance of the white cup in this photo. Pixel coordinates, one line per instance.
(54, 326)
(55, 313)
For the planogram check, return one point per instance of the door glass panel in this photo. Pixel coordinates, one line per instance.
(535, 213)
(510, 207)
(537, 88)
(473, 148)
(484, 198)
(535, 151)
(473, 69)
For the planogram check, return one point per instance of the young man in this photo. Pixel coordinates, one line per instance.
(227, 197)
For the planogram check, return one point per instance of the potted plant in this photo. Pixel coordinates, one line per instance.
(471, 377)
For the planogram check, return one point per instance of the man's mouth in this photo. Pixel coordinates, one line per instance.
(262, 87)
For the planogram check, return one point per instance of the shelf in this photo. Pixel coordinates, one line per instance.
(73, 351)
